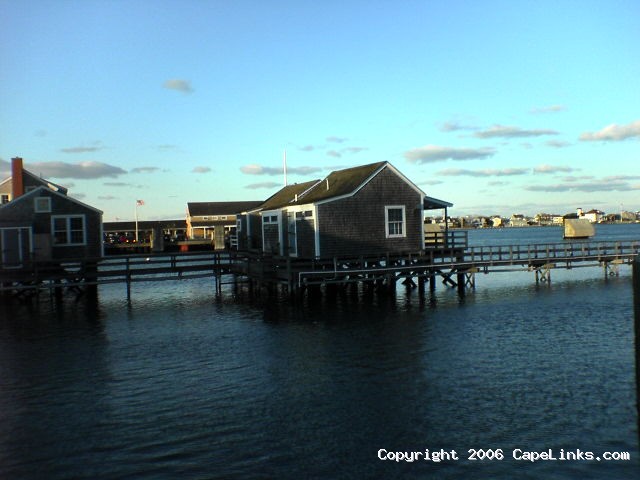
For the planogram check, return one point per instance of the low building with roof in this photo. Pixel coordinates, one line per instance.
(215, 221)
(369, 209)
(39, 222)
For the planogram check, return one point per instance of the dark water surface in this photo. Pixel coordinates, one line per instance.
(181, 385)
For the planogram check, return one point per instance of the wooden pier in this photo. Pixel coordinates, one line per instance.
(453, 263)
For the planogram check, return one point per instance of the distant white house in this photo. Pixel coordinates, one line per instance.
(518, 220)
(594, 216)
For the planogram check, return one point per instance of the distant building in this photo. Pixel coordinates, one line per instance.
(215, 221)
(518, 220)
(594, 216)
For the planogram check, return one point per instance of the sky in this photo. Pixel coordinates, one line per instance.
(499, 107)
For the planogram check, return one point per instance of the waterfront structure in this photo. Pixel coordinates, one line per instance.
(215, 221)
(369, 209)
(40, 222)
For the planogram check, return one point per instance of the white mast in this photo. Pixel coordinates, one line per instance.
(284, 167)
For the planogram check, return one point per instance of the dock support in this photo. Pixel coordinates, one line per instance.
(636, 326)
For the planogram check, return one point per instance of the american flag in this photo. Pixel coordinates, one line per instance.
(139, 202)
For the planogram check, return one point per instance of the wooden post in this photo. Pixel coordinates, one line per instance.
(128, 280)
(636, 327)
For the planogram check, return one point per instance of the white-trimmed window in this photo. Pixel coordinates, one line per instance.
(68, 229)
(395, 221)
(5, 198)
(238, 225)
(270, 219)
(42, 204)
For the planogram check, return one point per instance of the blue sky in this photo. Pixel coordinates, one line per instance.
(499, 107)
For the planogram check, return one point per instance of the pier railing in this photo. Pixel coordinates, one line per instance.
(446, 239)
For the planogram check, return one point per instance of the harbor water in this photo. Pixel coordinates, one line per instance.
(181, 384)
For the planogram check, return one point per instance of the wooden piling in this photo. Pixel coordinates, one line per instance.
(636, 324)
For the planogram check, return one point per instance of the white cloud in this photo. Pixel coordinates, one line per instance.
(506, 172)
(435, 153)
(455, 127)
(145, 170)
(179, 85)
(255, 169)
(556, 143)
(549, 109)
(613, 132)
(82, 170)
(201, 170)
(504, 131)
(263, 185)
(336, 139)
(552, 169)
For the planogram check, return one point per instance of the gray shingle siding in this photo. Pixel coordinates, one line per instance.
(356, 225)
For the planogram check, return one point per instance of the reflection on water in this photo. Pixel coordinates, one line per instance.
(181, 385)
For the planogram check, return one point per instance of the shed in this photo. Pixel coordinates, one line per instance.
(369, 209)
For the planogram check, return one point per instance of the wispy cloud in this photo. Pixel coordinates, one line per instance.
(506, 172)
(261, 170)
(201, 170)
(557, 143)
(107, 197)
(307, 148)
(549, 109)
(505, 131)
(455, 127)
(179, 85)
(145, 170)
(435, 153)
(166, 148)
(599, 186)
(5, 169)
(613, 132)
(121, 184)
(553, 169)
(334, 153)
(95, 147)
(253, 186)
(336, 139)
(82, 170)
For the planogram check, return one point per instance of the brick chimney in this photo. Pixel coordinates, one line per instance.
(17, 183)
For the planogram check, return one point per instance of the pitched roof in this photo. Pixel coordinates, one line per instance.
(46, 190)
(45, 183)
(53, 186)
(199, 209)
(287, 195)
(342, 182)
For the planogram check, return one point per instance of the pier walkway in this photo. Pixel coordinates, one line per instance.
(452, 262)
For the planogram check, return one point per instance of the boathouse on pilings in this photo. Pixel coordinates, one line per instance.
(368, 214)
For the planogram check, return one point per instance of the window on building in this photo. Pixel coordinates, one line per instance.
(68, 230)
(223, 217)
(4, 198)
(395, 220)
(42, 204)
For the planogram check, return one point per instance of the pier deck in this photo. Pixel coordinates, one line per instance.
(456, 266)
